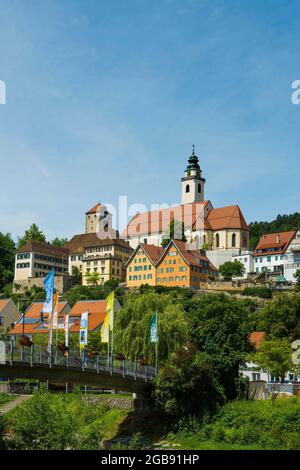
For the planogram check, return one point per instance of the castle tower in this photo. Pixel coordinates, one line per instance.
(192, 184)
(95, 216)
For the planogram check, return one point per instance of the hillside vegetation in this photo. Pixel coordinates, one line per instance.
(242, 425)
(282, 223)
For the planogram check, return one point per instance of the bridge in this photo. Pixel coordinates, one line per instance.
(86, 368)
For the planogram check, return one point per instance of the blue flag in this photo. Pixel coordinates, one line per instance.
(153, 329)
(49, 288)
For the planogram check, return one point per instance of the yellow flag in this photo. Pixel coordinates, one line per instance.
(109, 318)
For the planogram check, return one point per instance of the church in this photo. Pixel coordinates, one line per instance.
(222, 231)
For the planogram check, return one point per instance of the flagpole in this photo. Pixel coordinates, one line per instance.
(156, 345)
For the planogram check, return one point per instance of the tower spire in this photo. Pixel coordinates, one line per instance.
(192, 183)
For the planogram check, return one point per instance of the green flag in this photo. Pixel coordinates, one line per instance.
(153, 329)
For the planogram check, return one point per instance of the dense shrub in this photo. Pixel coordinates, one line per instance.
(262, 292)
(257, 423)
(49, 421)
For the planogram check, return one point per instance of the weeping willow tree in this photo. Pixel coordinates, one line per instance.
(132, 326)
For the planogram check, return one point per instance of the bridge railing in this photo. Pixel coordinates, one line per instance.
(38, 354)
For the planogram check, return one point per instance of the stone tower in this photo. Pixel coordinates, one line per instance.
(192, 184)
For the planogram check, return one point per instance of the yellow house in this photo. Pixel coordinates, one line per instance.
(173, 266)
(141, 266)
(99, 260)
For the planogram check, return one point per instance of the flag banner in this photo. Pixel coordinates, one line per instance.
(108, 323)
(105, 329)
(55, 310)
(110, 301)
(153, 329)
(83, 334)
(66, 328)
(49, 288)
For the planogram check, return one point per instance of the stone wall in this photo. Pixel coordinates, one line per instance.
(61, 283)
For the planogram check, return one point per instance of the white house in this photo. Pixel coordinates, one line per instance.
(246, 258)
(269, 255)
(292, 258)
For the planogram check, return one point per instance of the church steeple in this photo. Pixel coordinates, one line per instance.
(192, 184)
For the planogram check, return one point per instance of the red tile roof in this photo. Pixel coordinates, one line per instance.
(94, 209)
(3, 303)
(192, 257)
(34, 312)
(192, 215)
(229, 217)
(280, 240)
(45, 248)
(147, 223)
(95, 308)
(153, 252)
(79, 243)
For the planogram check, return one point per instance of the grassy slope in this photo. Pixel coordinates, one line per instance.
(247, 425)
(5, 398)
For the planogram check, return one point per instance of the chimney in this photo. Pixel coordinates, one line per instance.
(277, 238)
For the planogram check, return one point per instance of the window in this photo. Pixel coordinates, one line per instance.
(256, 376)
(199, 188)
(217, 240)
(1, 321)
(269, 259)
(233, 240)
(187, 188)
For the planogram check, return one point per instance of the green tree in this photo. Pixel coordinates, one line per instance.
(220, 326)
(7, 259)
(92, 278)
(275, 355)
(175, 231)
(297, 277)
(231, 269)
(59, 241)
(281, 316)
(33, 233)
(132, 323)
(187, 385)
(76, 275)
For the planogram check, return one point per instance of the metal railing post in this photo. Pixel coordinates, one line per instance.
(67, 359)
(50, 358)
(31, 355)
(111, 364)
(124, 367)
(82, 359)
(145, 372)
(11, 355)
(135, 367)
(97, 363)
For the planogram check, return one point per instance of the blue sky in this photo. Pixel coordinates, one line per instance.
(107, 97)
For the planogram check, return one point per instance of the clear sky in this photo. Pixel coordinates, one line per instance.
(106, 97)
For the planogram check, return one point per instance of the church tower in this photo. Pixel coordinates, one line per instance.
(192, 184)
